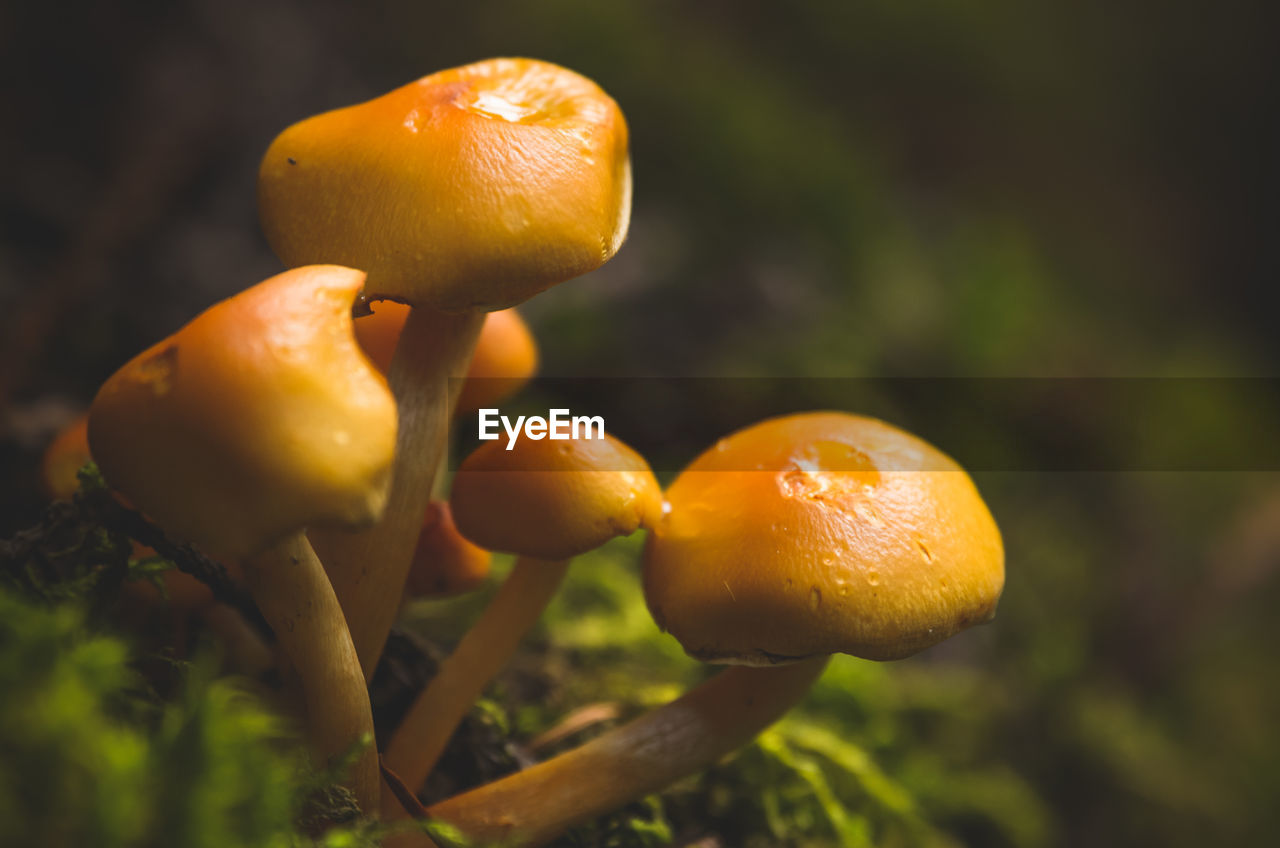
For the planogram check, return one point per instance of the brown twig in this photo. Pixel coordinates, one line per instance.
(574, 723)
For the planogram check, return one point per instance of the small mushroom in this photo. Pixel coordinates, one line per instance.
(505, 358)
(545, 501)
(258, 419)
(63, 459)
(445, 563)
(467, 191)
(787, 541)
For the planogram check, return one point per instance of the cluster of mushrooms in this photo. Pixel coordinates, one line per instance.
(294, 433)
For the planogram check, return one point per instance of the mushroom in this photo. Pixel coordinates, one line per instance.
(787, 541)
(851, 537)
(63, 459)
(467, 191)
(445, 563)
(545, 501)
(505, 358)
(256, 420)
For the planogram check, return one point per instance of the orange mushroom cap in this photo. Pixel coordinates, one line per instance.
(821, 533)
(64, 458)
(379, 332)
(445, 563)
(505, 358)
(474, 187)
(553, 499)
(258, 418)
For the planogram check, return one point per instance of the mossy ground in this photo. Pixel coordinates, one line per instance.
(114, 737)
(112, 734)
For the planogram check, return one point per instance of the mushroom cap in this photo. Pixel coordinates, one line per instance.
(505, 358)
(259, 418)
(64, 457)
(378, 332)
(474, 187)
(444, 562)
(821, 533)
(553, 499)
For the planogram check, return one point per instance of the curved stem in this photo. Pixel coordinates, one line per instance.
(294, 594)
(368, 567)
(484, 650)
(534, 806)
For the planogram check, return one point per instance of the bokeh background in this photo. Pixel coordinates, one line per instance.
(823, 189)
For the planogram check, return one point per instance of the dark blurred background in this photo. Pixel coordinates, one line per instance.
(823, 189)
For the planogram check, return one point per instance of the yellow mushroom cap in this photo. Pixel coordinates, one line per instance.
(64, 458)
(474, 187)
(821, 533)
(553, 499)
(444, 563)
(258, 418)
(505, 358)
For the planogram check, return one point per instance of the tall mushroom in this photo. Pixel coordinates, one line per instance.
(545, 501)
(467, 191)
(256, 420)
(789, 540)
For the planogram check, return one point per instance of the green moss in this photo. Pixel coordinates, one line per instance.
(89, 757)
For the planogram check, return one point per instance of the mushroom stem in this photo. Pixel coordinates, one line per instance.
(295, 596)
(418, 742)
(368, 567)
(534, 806)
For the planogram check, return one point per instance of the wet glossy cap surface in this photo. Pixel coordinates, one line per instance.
(821, 533)
(474, 187)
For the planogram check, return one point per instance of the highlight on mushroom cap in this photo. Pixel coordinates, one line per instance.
(475, 187)
(553, 499)
(258, 418)
(821, 533)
